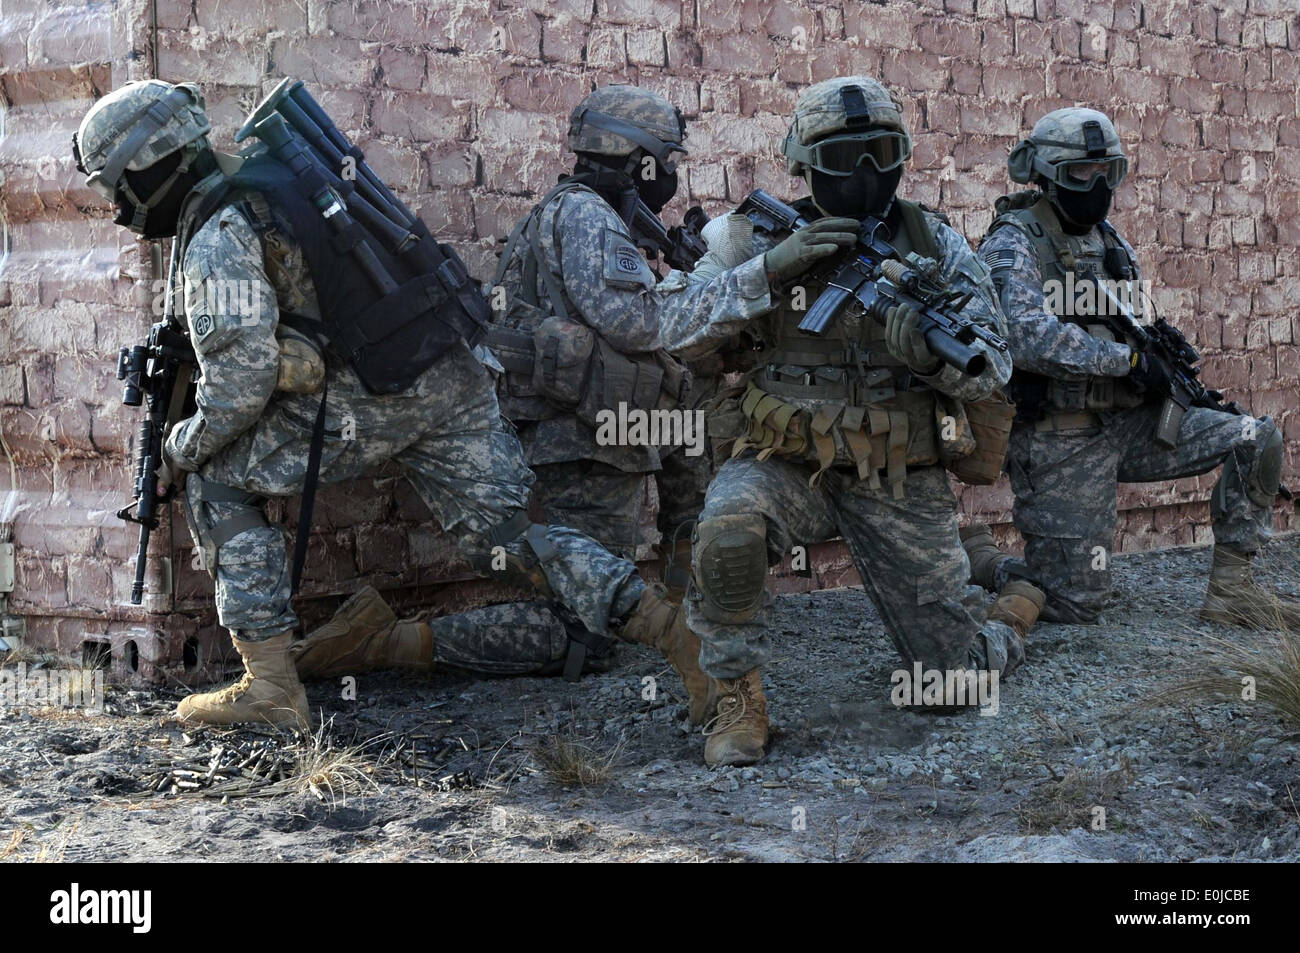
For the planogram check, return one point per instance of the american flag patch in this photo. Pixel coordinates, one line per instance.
(998, 259)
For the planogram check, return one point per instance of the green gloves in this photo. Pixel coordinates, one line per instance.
(808, 245)
(905, 341)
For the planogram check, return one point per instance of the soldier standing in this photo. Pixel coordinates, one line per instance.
(1088, 401)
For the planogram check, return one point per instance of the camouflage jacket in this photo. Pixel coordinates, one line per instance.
(608, 285)
(1041, 342)
(233, 284)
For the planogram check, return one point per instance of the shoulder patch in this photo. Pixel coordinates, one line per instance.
(625, 266)
(998, 259)
(203, 325)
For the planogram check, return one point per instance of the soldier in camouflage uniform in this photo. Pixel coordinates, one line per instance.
(145, 148)
(842, 435)
(578, 331)
(1089, 401)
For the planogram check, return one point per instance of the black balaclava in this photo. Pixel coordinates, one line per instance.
(865, 192)
(614, 175)
(659, 191)
(164, 215)
(1080, 212)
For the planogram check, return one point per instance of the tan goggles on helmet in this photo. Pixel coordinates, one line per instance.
(840, 155)
(96, 182)
(1080, 175)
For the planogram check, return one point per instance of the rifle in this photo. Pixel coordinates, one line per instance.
(877, 277)
(680, 246)
(151, 372)
(1163, 342)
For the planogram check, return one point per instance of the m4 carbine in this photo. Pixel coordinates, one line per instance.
(160, 374)
(1163, 342)
(878, 278)
(680, 246)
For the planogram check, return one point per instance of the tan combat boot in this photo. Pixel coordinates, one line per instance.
(363, 635)
(738, 732)
(1233, 596)
(661, 622)
(985, 557)
(268, 692)
(1018, 605)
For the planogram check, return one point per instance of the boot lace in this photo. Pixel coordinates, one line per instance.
(732, 708)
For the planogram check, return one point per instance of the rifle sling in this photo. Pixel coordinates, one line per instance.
(308, 503)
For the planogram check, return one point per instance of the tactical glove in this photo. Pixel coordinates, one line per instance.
(905, 341)
(808, 245)
(1149, 373)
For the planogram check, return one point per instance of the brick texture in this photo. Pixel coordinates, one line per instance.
(462, 105)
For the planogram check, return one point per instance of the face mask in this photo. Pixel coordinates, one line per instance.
(163, 214)
(866, 192)
(659, 191)
(1083, 210)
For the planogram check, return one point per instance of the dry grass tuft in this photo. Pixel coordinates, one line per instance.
(328, 772)
(570, 762)
(1261, 667)
(1067, 801)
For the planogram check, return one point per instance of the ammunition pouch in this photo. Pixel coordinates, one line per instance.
(890, 435)
(302, 363)
(989, 423)
(566, 367)
(563, 351)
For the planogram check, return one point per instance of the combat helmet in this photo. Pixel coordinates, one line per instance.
(134, 127)
(839, 123)
(617, 120)
(1070, 139)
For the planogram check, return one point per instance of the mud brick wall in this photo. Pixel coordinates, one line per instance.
(461, 106)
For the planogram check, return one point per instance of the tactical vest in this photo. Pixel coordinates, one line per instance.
(843, 400)
(1067, 263)
(555, 363)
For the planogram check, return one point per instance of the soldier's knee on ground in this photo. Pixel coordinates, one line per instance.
(729, 565)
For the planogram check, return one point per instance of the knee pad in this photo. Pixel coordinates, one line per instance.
(729, 565)
(1266, 468)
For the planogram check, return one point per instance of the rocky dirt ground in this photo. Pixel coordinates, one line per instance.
(454, 768)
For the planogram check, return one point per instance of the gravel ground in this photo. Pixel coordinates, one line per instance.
(456, 768)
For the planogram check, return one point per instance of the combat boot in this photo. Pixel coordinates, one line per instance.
(269, 691)
(660, 622)
(985, 557)
(738, 731)
(363, 635)
(1233, 596)
(1018, 605)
